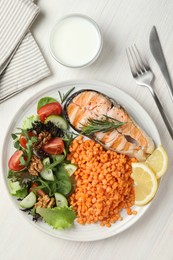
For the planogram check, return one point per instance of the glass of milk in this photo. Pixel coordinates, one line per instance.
(76, 41)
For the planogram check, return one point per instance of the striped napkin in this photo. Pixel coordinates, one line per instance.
(21, 61)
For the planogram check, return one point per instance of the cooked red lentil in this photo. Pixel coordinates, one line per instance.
(103, 183)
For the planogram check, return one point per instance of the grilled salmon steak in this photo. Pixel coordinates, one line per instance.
(127, 139)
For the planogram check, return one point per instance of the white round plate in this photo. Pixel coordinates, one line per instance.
(90, 232)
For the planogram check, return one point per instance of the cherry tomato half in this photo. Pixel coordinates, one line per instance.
(53, 108)
(23, 140)
(14, 162)
(54, 146)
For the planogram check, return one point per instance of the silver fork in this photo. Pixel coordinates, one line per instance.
(143, 76)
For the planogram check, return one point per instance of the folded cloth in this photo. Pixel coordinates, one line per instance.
(26, 68)
(21, 62)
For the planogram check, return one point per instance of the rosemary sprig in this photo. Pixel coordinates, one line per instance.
(63, 97)
(104, 125)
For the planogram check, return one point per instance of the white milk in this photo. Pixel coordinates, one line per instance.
(75, 41)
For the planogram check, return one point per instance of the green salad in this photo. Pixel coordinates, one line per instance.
(40, 176)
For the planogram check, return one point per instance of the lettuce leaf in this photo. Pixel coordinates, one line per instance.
(27, 123)
(58, 218)
(17, 190)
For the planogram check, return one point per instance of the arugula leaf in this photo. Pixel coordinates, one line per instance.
(48, 186)
(16, 140)
(68, 138)
(28, 151)
(14, 136)
(58, 218)
(17, 145)
(57, 159)
(44, 101)
(33, 139)
(22, 161)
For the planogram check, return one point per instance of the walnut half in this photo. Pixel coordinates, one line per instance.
(45, 202)
(42, 138)
(35, 166)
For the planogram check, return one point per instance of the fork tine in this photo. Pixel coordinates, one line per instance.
(134, 61)
(131, 63)
(137, 64)
(143, 64)
(138, 58)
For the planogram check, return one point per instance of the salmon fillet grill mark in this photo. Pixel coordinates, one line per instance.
(128, 139)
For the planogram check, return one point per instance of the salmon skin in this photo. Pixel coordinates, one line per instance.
(127, 139)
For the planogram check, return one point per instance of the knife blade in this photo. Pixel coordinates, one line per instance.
(156, 49)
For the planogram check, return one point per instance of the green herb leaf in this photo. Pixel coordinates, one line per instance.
(68, 138)
(48, 186)
(14, 136)
(52, 186)
(104, 125)
(28, 151)
(63, 181)
(16, 140)
(21, 193)
(56, 160)
(43, 101)
(63, 97)
(33, 139)
(22, 161)
(17, 145)
(60, 96)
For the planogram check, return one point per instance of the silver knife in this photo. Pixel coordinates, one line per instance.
(156, 49)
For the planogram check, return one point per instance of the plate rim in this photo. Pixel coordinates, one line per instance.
(44, 90)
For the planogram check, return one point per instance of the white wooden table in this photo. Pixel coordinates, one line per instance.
(122, 23)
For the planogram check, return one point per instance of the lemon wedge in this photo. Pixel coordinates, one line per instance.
(145, 183)
(158, 161)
